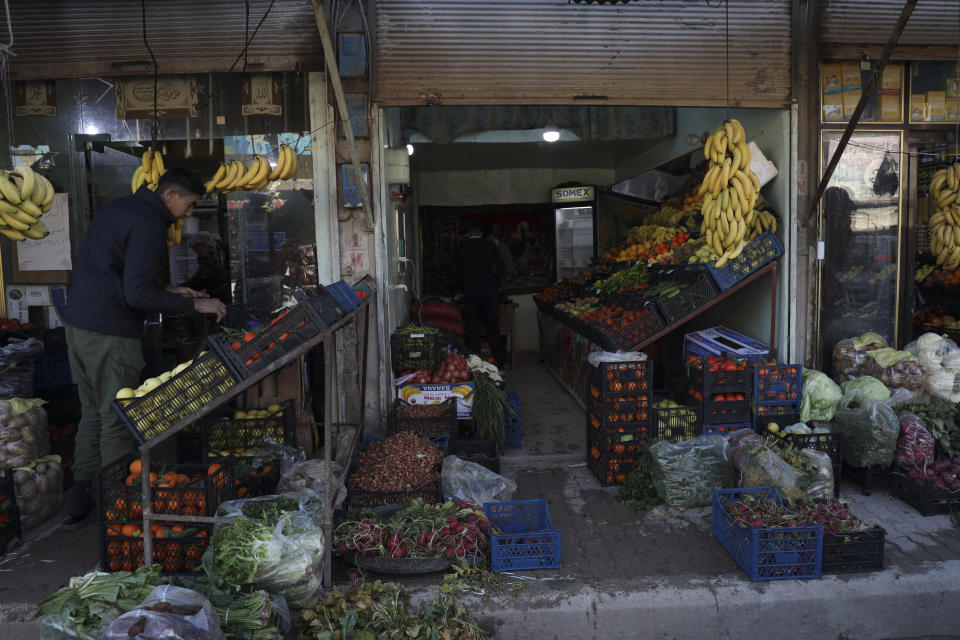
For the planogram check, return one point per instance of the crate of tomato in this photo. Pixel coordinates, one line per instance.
(250, 350)
(717, 374)
(623, 323)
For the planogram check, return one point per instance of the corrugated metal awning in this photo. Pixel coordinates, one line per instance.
(851, 28)
(554, 52)
(56, 39)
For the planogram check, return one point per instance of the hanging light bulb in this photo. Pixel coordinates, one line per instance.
(409, 149)
(551, 133)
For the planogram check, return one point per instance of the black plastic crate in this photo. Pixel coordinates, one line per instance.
(869, 478)
(10, 533)
(320, 304)
(257, 476)
(777, 384)
(358, 498)
(222, 435)
(708, 383)
(483, 452)
(725, 411)
(622, 411)
(856, 552)
(609, 461)
(675, 423)
(616, 433)
(702, 291)
(286, 332)
(207, 487)
(634, 332)
(181, 553)
(419, 349)
(177, 399)
(923, 497)
(783, 416)
(725, 428)
(620, 378)
(424, 419)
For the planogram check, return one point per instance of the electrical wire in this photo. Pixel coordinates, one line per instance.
(155, 127)
(726, 52)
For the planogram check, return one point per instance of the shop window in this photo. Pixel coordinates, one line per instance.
(841, 85)
(860, 223)
(934, 92)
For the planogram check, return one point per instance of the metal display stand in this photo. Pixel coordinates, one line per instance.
(358, 317)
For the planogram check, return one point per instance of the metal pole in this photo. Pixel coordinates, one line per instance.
(327, 457)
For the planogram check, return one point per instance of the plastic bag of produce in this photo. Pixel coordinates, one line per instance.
(870, 429)
(941, 358)
(850, 355)
(768, 462)
(269, 508)
(596, 357)
(915, 446)
(39, 489)
(466, 481)
(286, 558)
(868, 385)
(23, 432)
(170, 613)
(686, 473)
(310, 476)
(819, 397)
(896, 369)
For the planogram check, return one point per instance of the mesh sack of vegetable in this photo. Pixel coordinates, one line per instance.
(285, 558)
(896, 369)
(764, 462)
(870, 429)
(849, 355)
(686, 473)
(941, 358)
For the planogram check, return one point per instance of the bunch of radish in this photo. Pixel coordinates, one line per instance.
(419, 530)
(915, 445)
(945, 475)
(765, 513)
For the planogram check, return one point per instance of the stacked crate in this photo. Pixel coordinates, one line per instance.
(619, 402)
(776, 394)
(721, 386)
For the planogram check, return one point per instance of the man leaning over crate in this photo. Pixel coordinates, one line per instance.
(117, 280)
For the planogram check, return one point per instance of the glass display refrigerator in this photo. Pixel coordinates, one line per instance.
(574, 216)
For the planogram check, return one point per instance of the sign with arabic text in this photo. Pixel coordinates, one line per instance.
(36, 98)
(261, 95)
(176, 97)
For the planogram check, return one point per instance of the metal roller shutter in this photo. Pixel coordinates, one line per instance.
(851, 28)
(554, 52)
(55, 39)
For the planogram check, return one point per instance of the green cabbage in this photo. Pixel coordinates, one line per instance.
(819, 398)
(868, 385)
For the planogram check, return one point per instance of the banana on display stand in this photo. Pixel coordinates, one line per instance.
(945, 221)
(234, 175)
(730, 193)
(24, 196)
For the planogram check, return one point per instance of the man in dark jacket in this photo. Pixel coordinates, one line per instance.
(477, 263)
(117, 280)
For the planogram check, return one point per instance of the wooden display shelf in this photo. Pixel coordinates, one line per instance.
(358, 316)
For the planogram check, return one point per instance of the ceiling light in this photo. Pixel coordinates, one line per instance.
(550, 133)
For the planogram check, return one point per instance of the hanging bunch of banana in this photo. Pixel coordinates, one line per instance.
(763, 220)
(237, 176)
(149, 172)
(945, 221)
(729, 191)
(175, 233)
(24, 197)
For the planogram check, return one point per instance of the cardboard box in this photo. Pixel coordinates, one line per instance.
(720, 341)
(832, 107)
(936, 106)
(952, 87)
(918, 107)
(832, 74)
(438, 394)
(889, 108)
(851, 75)
(953, 109)
(892, 77)
(850, 100)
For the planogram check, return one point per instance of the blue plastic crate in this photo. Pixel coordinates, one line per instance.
(774, 553)
(51, 372)
(513, 428)
(343, 294)
(779, 384)
(758, 252)
(725, 428)
(522, 536)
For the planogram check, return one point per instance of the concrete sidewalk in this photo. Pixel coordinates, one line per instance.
(656, 575)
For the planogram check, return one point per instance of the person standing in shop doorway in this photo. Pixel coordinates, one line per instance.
(507, 268)
(478, 267)
(117, 280)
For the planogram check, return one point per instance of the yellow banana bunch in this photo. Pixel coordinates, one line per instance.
(235, 175)
(24, 197)
(730, 191)
(149, 172)
(945, 221)
(175, 233)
